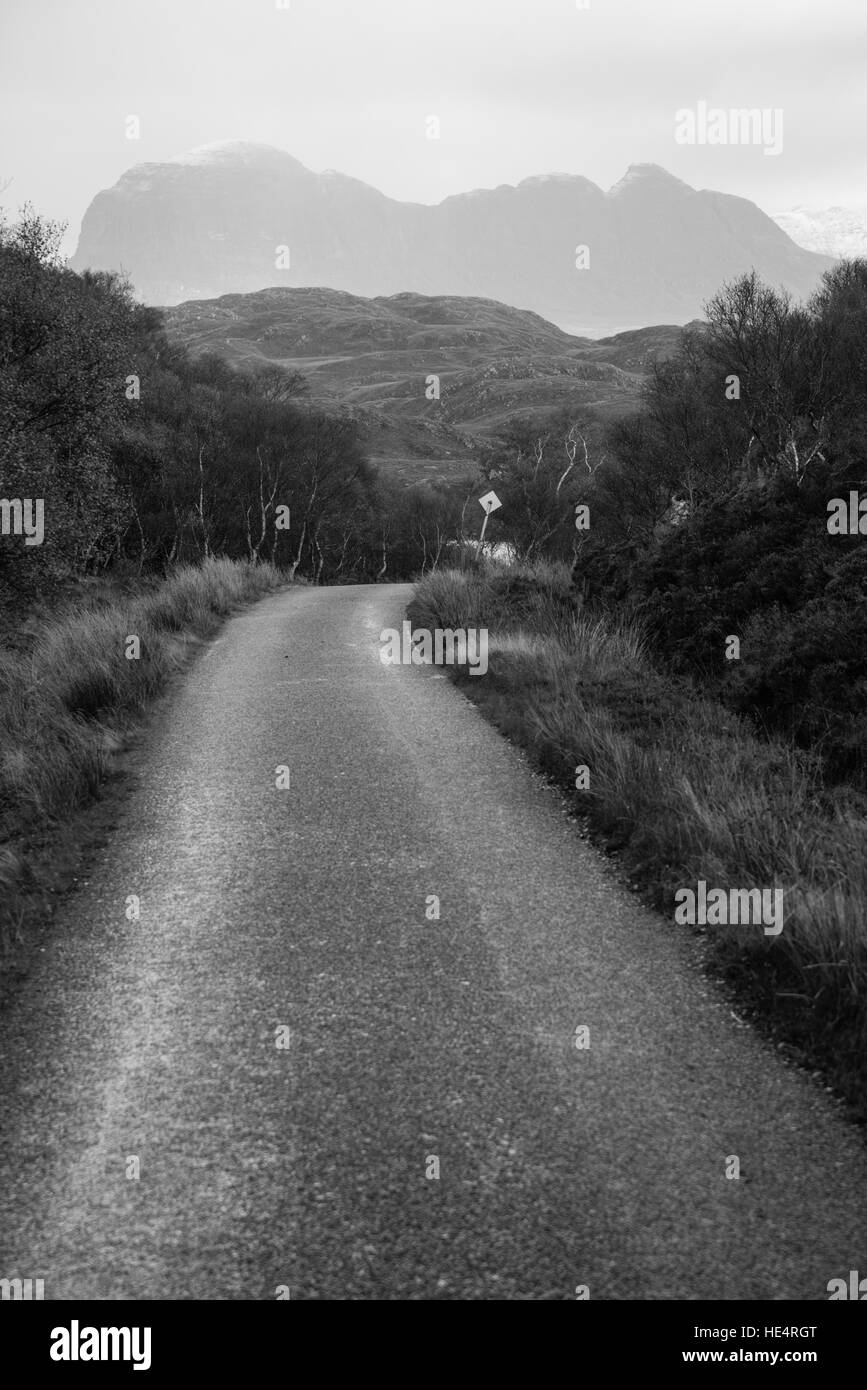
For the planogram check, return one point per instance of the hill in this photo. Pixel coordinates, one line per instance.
(373, 358)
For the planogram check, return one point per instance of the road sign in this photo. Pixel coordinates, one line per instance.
(490, 502)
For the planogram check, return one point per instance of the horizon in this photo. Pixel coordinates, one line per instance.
(72, 234)
(569, 90)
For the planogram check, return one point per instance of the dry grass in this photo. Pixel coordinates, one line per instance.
(63, 700)
(683, 790)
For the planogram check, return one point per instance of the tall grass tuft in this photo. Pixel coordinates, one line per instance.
(62, 700)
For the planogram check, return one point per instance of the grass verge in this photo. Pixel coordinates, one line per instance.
(682, 790)
(69, 695)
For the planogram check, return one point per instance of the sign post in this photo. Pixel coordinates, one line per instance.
(490, 502)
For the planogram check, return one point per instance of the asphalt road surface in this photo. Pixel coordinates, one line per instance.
(311, 1165)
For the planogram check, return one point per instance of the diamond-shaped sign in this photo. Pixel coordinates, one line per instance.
(490, 502)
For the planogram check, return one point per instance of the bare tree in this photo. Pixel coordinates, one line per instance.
(266, 506)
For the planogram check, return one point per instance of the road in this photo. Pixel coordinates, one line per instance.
(310, 1166)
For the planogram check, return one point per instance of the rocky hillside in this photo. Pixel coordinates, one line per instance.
(375, 357)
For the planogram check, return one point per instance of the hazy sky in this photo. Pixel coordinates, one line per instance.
(519, 89)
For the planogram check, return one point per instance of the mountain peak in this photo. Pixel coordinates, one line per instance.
(646, 174)
(536, 180)
(232, 152)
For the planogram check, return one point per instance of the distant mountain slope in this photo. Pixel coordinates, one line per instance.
(211, 222)
(832, 231)
(373, 357)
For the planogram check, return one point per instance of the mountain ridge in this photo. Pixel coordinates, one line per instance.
(212, 221)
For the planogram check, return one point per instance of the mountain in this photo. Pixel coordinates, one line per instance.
(832, 231)
(210, 222)
(373, 358)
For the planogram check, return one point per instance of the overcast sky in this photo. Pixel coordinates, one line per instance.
(520, 87)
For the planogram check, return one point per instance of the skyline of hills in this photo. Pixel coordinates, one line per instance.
(212, 221)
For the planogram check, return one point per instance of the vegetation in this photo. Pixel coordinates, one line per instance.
(708, 509)
(681, 789)
(146, 457)
(711, 518)
(740, 763)
(69, 695)
(174, 488)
